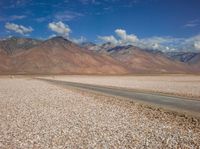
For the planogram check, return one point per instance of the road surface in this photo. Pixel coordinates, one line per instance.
(177, 104)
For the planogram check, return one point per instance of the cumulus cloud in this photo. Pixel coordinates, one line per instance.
(160, 43)
(111, 39)
(51, 36)
(59, 28)
(79, 40)
(121, 33)
(197, 45)
(165, 44)
(193, 42)
(18, 28)
(125, 38)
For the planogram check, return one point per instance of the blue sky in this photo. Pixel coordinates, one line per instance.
(155, 23)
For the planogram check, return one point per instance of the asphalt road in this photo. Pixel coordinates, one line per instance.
(178, 104)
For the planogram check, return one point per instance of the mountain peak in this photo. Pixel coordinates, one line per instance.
(16, 38)
(88, 44)
(58, 40)
(14, 44)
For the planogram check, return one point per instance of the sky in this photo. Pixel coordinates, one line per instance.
(155, 24)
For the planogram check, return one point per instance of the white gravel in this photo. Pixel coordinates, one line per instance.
(34, 114)
(182, 85)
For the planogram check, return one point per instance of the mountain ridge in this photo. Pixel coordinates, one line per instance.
(61, 56)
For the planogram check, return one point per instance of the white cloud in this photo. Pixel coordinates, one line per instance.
(111, 39)
(159, 43)
(18, 28)
(159, 40)
(164, 44)
(17, 17)
(197, 45)
(125, 38)
(60, 28)
(85, 2)
(193, 42)
(121, 33)
(17, 3)
(51, 36)
(156, 46)
(192, 23)
(11, 18)
(79, 40)
(67, 15)
(171, 43)
(196, 42)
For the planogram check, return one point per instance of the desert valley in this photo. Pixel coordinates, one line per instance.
(41, 114)
(99, 74)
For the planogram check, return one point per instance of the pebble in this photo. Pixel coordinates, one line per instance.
(35, 114)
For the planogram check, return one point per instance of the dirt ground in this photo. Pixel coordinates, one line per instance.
(35, 114)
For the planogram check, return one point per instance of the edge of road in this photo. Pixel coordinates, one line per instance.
(166, 108)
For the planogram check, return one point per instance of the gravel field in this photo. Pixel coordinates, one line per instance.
(35, 114)
(182, 85)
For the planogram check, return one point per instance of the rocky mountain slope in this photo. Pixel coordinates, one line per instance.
(144, 61)
(190, 58)
(187, 57)
(61, 56)
(141, 61)
(15, 44)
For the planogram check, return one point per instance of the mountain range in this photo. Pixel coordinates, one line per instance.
(148, 60)
(61, 56)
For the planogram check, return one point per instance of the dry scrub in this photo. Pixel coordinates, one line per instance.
(34, 114)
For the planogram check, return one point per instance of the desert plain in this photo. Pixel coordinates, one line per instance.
(180, 85)
(37, 114)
